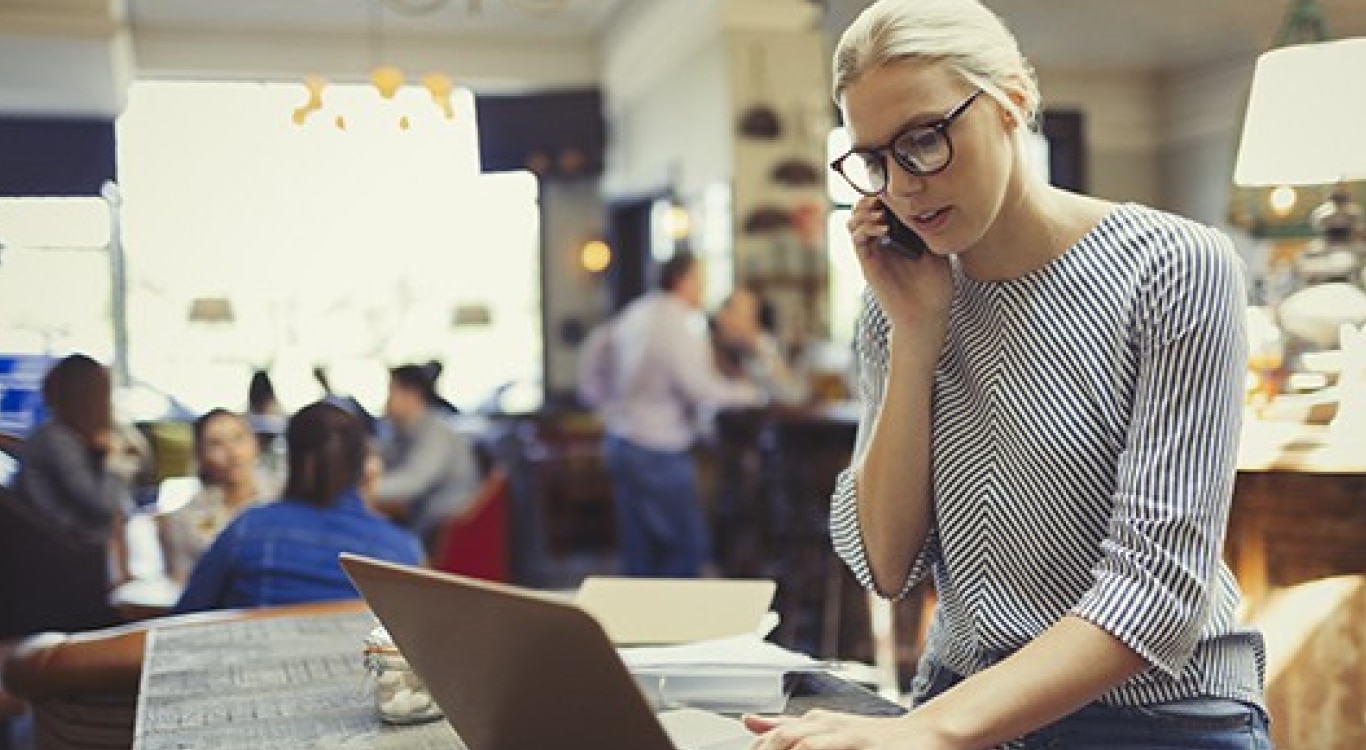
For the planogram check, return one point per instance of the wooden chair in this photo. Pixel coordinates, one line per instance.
(82, 688)
(11, 445)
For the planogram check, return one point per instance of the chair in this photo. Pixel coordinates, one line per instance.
(82, 688)
(475, 543)
(11, 445)
(48, 579)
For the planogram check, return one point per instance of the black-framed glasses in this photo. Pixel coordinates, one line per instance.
(922, 150)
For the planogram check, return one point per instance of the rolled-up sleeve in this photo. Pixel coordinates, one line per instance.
(1161, 554)
(846, 532)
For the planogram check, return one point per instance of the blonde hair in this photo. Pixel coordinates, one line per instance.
(962, 33)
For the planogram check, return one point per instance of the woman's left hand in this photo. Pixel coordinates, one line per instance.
(829, 730)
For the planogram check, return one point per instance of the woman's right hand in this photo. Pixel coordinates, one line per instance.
(914, 293)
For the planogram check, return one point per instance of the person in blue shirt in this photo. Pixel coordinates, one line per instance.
(286, 552)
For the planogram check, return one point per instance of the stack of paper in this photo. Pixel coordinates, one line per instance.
(730, 675)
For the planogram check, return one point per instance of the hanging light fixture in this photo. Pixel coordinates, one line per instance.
(388, 78)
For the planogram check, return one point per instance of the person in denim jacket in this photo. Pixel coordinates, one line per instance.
(286, 552)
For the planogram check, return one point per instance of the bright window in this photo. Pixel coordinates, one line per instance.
(352, 250)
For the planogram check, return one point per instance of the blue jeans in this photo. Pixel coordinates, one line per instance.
(1191, 724)
(660, 525)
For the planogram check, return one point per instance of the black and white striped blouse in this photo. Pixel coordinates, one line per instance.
(1086, 419)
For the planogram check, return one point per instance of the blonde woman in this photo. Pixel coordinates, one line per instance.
(1052, 399)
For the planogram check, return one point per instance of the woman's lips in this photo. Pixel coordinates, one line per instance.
(930, 222)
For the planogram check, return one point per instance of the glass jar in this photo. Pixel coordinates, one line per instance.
(400, 695)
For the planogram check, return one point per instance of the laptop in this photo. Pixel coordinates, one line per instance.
(514, 669)
(658, 611)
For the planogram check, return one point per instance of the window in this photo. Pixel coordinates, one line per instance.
(352, 250)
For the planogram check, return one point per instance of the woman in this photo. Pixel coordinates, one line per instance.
(1052, 403)
(66, 470)
(227, 456)
(286, 552)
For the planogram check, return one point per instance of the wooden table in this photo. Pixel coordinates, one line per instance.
(1299, 507)
(298, 683)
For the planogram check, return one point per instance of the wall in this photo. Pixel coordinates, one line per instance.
(63, 58)
(571, 213)
(1204, 109)
(665, 77)
(785, 71)
(486, 65)
(1123, 125)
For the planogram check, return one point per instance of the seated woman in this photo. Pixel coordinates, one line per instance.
(67, 473)
(286, 552)
(232, 480)
(744, 347)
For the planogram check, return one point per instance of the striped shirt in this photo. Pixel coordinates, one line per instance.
(1086, 419)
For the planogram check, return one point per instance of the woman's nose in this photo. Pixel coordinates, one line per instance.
(901, 182)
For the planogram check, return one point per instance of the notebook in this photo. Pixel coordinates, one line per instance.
(637, 611)
(514, 669)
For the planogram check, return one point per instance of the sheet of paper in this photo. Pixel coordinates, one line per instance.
(741, 651)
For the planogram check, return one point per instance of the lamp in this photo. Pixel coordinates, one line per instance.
(385, 77)
(388, 78)
(1306, 116)
(1299, 131)
(1304, 97)
(1305, 121)
(211, 310)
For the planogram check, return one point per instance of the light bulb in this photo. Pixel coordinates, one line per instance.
(387, 79)
(595, 255)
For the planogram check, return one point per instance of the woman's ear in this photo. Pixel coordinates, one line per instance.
(1015, 90)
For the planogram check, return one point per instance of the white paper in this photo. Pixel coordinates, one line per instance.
(746, 651)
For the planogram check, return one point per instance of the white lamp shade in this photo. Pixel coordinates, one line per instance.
(1306, 116)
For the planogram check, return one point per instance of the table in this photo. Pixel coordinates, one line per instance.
(1299, 506)
(298, 683)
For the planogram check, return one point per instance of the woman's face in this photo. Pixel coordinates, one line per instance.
(227, 451)
(953, 209)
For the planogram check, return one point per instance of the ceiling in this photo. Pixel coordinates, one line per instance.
(1158, 34)
(496, 17)
(1150, 35)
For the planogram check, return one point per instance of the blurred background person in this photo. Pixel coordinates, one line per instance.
(286, 552)
(747, 349)
(231, 480)
(430, 471)
(265, 415)
(654, 372)
(68, 469)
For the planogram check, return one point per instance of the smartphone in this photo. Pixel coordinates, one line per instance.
(901, 238)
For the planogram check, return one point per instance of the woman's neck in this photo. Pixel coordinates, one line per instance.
(239, 493)
(1037, 223)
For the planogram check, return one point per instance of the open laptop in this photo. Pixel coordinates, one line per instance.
(514, 669)
(666, 610)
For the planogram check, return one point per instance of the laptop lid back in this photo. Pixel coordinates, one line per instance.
(510, 668)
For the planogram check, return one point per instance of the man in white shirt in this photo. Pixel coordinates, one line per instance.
(649, 370)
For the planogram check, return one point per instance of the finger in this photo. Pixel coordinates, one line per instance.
(760, 724)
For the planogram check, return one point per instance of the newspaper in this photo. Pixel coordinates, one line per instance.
(283, 682)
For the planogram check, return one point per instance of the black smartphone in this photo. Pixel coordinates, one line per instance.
(901, 238)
